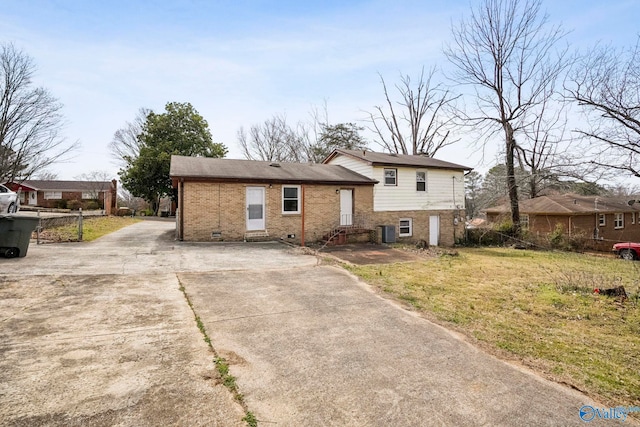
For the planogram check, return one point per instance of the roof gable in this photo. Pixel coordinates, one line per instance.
(383, 159)
(253, 170)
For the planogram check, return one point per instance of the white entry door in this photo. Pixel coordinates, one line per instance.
(346, 207)
(255, 208)
(434, 230)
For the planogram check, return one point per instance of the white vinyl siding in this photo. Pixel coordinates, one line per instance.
(357, 166)
(443, 192)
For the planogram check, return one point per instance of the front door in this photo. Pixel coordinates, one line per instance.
(255, 208)
(434, 230)
(346, 207)
(33, 198)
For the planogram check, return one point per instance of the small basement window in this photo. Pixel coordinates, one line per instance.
(406, 227)
(291, 199)
(391, 177)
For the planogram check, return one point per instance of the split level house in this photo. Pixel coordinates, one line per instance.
(67, 194)
(352, 196)
(601, 221)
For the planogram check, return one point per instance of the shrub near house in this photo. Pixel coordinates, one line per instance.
(593, 222)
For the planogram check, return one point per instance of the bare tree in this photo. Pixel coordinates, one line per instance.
(96, 182)
(419, 123)
(543, 151)
(45, 175)
(125, 144)
(607, 86)
(31, 120)
(509, 57)
(273, 140)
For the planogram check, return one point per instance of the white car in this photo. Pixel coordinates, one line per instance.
(9, 202)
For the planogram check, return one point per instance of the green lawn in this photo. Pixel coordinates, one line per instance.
(93, 227)
(536, 307)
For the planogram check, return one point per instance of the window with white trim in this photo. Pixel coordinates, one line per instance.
(421, 181)
(88, 195)
(524, 221)
(406, 227)
(602, 220)
(290, 199)
(52, 195)
(618, 221)
(391, 177)
(633, 217)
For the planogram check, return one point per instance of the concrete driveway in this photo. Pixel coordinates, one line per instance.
(100, 334)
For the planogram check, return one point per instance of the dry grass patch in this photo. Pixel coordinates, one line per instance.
(93, 227)
(536, 306)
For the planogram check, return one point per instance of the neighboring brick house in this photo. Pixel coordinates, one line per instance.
(602, 220)
(422, 197)
(235, 200)
(67, 194)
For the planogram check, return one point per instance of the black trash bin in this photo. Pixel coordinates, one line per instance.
(15, 233)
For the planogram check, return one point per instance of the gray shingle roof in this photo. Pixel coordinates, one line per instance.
(570, 204)
(75, 186)
(384, 159)
(259, 171)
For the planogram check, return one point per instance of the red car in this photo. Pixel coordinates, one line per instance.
(627, 250)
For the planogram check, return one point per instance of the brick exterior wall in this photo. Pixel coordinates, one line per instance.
(583, 225)
(210, 207)
(449, 231)
(72, 195)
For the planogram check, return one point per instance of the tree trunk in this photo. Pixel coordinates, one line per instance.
(511, 178)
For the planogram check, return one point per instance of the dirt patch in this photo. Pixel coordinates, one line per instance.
(365, 254)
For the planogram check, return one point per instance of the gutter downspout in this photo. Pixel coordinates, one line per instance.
(181, 209)
(302, 232)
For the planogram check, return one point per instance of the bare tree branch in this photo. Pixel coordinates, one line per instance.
(607, 87)
(31, 120)
(420, 122)
(125, 144)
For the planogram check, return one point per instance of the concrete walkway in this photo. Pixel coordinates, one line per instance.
(100, 334)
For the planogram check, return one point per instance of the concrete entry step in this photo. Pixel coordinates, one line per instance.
(256, 236)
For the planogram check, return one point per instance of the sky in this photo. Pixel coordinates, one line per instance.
(241, 62)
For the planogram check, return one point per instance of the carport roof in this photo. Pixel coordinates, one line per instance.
(233, 170)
